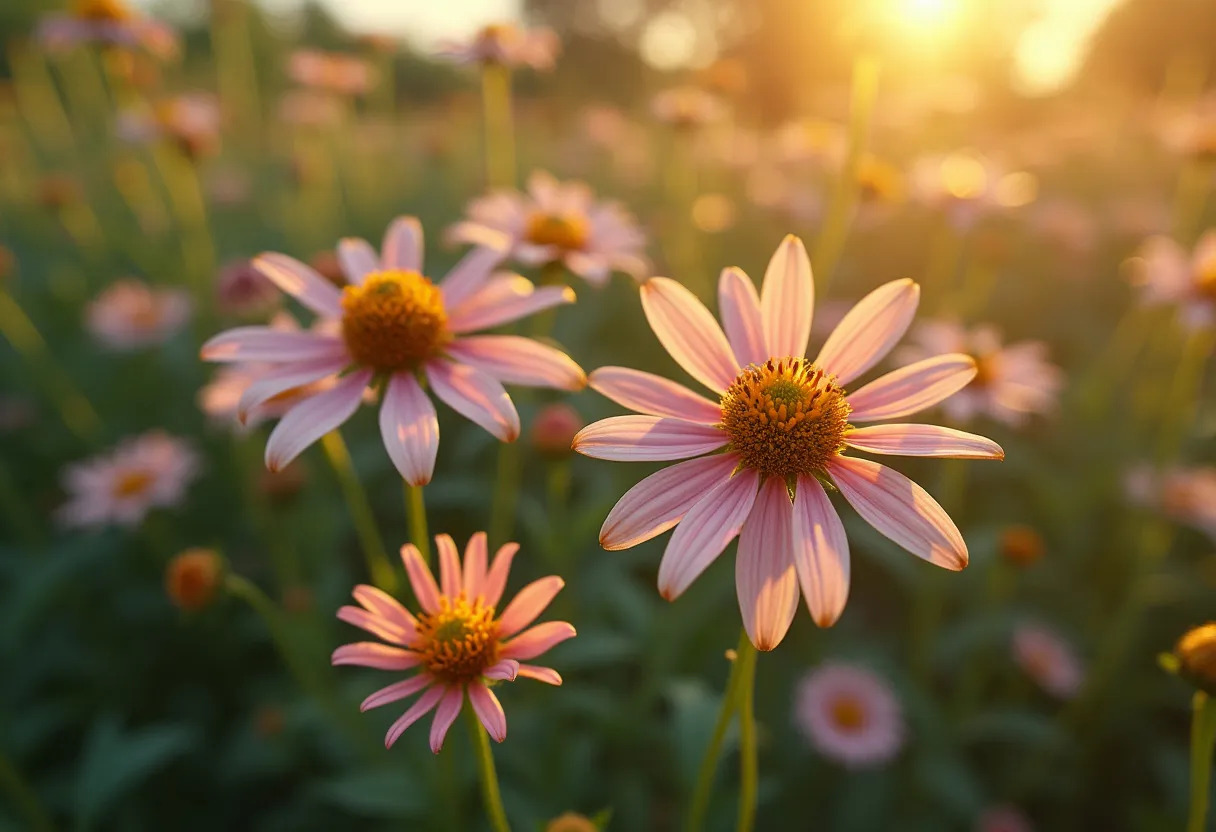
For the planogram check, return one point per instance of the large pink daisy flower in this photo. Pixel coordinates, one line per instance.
(459, 642)
(779, 428)
(392, 328)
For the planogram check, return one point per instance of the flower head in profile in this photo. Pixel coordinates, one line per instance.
(1012, 381)
(389, 329)
(1167, 274)
(106, 23)
(331, 72)
(849, 714)
(460, 642)
(121, 487)
(1048, 660)
(774, 437)
(192, 121)
(687, 107)
(1185, 495)
(559, 222)
(505, 44)
(130, 315)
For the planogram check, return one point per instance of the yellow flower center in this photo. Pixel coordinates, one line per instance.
(565, 231)
(394, 320)
(986, 370)
(786, 417)
(132, 483)
(848, 714)
(1205, 278)
(459, 642)
(102, 10)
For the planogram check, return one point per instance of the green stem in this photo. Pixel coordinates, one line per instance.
(266, 609)
(23, 796)
(1183, 398)
(709, 762)
(1203, 738)
(499, 135)
(749, 764)
(486, 773)
(378, 564)
(415, 509)
(506, 494)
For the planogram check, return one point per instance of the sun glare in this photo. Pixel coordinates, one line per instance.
(925, 17)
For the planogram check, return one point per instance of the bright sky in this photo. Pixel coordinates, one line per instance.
(423, 22)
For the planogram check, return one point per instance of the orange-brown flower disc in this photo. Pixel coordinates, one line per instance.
(460, 641)
(1196, 652)
(102, 10)
(848, 714)
(394, 320)
(565, 232)
(132, 483)
(785, 418)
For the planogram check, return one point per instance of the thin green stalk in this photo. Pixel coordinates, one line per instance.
(486, 773)
(506, 494)
(415, 509)
(378, 565)
(749, 763)
(17, 514)
(1183, 398)
(1203, 738)
(499, 134)
(709, 762)
(23, 797)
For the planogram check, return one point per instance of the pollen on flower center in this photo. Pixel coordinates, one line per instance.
(132, 483)
(1205, 278)
(393, 320)
(460, 641)
(566, 231)
(848, 714)
(786, 417)
(102, 10)
(985, 369)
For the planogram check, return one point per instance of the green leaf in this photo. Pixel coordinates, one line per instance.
(376, 793)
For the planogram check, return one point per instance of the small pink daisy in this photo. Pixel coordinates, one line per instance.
(687, 107)
(459, 641)
(146, 472)
(1048, 660)
(1185, 495)
(1166, 274)
(191, 120)
(507, 45)
(129, 314)
(558, 222)
(782, 423)
(330, 72)
(1012, 381)
(243, 291)
(850, 715)
(106, 23)
(392, 329)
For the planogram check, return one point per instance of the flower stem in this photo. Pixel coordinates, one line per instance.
(486, 773)
(705, 774)
(415, 509)
(23, 796)
(378, 564)
(499, 135)
(1203, 738)
(749, 764)
(506, 494)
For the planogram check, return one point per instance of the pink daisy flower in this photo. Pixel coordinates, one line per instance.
(459, 641)
(1048, 660)
(1185, 495)
(781, 423)
(507, 45)
(1166, 274)
(330, 72)
(687, 107)
(129, 314)
(241, 290)
(146, 472)
(191, 120)
(849, 715)
(558, 222)
(1012, 381)
(391, 328)
(106, 23)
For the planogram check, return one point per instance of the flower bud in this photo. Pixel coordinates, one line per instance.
(1021, 545)
(193, 578)
(554, 428)
(571, 822)
(1196, 654)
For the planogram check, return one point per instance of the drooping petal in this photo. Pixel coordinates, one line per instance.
(821, 552)
(384, 605)
(504, 671)
(489, 710)
(425, 704)
(409, 428)
(402, 247)
(739, 306)
(787, 300)
(357, 259)
(516, 360)
(496, 579)
(314, 417)
(661, 500)
(643, 438)
(653, 395)
(541, 674)
(282, 379)
(475, 565)
(387, 629)
(397, 691)
(706, 529)
(923, 440)
(449, 565)
(689, 333)
(531, 643)
(476, 395)
(469, 275)
(503, 299)
(765, 578)
(252, 344)
(376, 656)
(445, 715)
(869, 331)
(421, 579)
(301, 282)
(912, 389)
(900, 510)
(528, 604)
